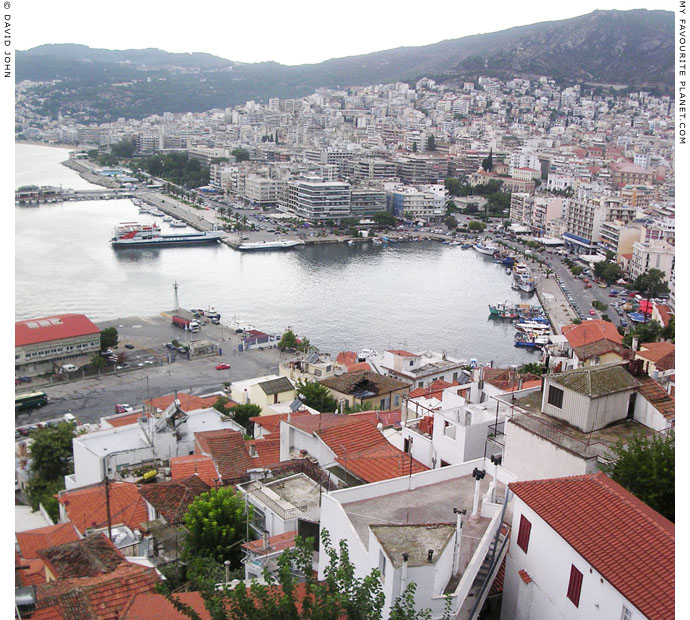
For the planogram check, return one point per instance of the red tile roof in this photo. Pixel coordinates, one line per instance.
(152, 606)
(591, 331)
(506, 379)
(664, 313)
(322, 421)
(171, 499)
(271, 423)
(185, 466)
(658, 397)
(361, 448)
(402, 353)
(228, 451)
(125, 419)
(102, 597)
(86, 507)
(32, 541)
(267, 451)
(276, 543)
(188, 402)
(358, 367)
(628, 543)
(57, 327)
(387, 418)
(149, 606)
(32, 575)
(86, 557)
(347, 358)
(654, 351)
(434, 390)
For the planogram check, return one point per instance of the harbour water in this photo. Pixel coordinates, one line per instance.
(413, 296)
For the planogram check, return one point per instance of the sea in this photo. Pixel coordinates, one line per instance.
(416, 296)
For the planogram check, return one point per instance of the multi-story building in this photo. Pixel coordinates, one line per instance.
(521, 208)
(42, 344)
(372, 168)
(655, 255)
(410, 202)
(262, 191)
(619, 237)
(367, 201)
(625, 173)
(316, 200)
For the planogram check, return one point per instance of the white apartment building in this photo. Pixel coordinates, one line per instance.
(619, 237)
(544, 211)
(263, 191)
(317, 201)
(521, 208)
(410, 202)
(655, 255)
(421, 369)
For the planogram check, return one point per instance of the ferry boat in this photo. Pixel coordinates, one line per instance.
(135, 235)
(280, 244)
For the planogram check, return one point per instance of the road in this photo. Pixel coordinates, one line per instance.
(90, 399)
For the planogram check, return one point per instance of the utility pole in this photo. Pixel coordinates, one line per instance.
(107, 498)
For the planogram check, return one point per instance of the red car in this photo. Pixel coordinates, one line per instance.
(592, 312)
(222, 366)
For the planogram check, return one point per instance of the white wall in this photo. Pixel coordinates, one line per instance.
(531, 457)
(645, 413)
(548, 562)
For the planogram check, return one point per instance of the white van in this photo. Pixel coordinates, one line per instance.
(69, 368)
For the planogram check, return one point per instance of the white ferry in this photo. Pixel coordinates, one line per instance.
(135, 235)
(280, 244)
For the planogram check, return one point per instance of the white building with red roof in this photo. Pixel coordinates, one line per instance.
(421, 369)
(40, 344)
(584, 547)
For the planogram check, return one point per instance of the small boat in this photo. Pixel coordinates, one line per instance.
(167, 218)
(177, 224)
(525, 341)
(486, 247)
(365, 354)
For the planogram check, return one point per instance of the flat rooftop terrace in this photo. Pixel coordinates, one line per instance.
(426, 505)
(586, 445)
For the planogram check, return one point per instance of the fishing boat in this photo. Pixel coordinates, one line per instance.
(485, 247)
(532, 326)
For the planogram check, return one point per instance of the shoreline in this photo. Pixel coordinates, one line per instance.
(55, 145)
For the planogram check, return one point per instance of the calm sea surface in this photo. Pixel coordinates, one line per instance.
(415, 296)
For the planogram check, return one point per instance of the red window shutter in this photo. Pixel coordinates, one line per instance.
(523, 533)
(574, 586)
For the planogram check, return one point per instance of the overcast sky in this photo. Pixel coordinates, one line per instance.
(301, 31)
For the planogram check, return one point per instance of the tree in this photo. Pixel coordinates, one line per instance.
(242, 413)
(608, 272)
(315, 395)
(109, 338)
(650, 284)
(340, 596)
(645, 466)
(51, 460)
(476, 226)
(385, 219)
(431, 143)
(669, 332)
(488, 162)
(124, 149)
(645, 332)
(97, 361)
(451, 222)
(414, 147)
(216, 522)
(241, 154)
(451, 208)
(288, 341)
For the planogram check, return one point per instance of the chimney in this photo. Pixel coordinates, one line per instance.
(635, 343)
(478, 475)
(430, 556)
(458, 538)
(403, 577)
(252, 450)
(264, 546)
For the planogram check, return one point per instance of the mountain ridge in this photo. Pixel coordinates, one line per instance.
(624, 47)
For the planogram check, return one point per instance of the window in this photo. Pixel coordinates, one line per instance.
(555, 397)
(574, 586)
(382, 565)
(411, 362)
(626, 614)
(523, 533)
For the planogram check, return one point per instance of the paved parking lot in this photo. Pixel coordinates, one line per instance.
(89, 399)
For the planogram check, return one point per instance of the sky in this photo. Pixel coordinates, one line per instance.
(302, 31)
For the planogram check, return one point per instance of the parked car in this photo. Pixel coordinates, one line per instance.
(170, 345)
(592, 311)
(123, 408)
(129, 346)
(222, 366)
(624, 323)
(181, 350)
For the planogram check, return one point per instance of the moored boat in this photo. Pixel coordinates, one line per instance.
(280, 244)
(134, 235)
